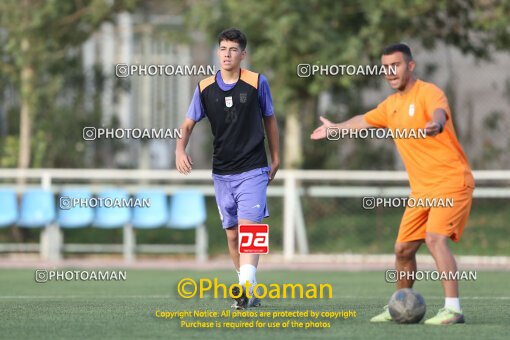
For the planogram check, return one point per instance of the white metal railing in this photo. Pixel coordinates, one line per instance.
(287, 185)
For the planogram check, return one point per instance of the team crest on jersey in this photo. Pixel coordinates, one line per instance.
(243, 97)
(411, 110)
(228, 101)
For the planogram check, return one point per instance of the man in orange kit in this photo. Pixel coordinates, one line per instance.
(438, 170)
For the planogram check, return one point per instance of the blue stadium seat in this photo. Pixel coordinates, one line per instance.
(113, 217)
(154, 216)
(37, 208)
(8, 207)
(187, 209)
(77, 216)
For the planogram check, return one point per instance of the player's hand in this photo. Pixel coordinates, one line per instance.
(274, 169)
(183, 162)
(433, 128)
(322, 131)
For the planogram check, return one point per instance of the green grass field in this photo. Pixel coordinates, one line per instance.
(125, 309)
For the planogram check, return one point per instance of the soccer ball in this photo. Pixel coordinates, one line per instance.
(407, 306)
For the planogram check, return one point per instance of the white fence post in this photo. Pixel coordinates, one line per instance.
(51, 235)
(289, 215)
(51, 243)
(129, 243)
(302, 239)
(201, 243)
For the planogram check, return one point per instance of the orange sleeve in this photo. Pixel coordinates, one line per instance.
(435, 99)
(378, 117)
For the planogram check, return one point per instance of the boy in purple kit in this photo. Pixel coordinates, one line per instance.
(239, 107)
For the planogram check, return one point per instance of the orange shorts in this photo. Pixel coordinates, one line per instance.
(446, 215)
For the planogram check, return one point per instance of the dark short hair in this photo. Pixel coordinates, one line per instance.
(399, 47)
(235, 35)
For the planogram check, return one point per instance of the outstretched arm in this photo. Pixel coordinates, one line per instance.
(355, 123)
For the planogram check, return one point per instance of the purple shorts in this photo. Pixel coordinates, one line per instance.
(242, 196)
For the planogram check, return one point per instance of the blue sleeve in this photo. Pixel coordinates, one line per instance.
(196, 110)
(265, 99)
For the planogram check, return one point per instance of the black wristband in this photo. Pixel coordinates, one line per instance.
(441, 127)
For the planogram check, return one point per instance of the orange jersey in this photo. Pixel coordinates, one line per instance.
(434, 164)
